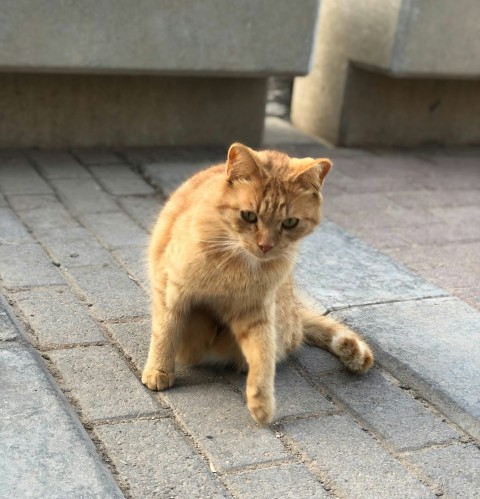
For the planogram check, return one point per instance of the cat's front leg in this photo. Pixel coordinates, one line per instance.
(257, 342)
(167, 324)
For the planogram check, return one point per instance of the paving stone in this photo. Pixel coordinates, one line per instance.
(102, 384)
(436, 340)
(42, 212)
(294, 396)
(134, 258)
(8, 331)
(19, 177)
(113, 294)
(17, 262)
(386, 408)
(47, 452)
(133, 337)
(219, 420)
(454, 469)
(169, 175)
(12, 231)
(84, 196)
(315, 360)
(120, 180)
(354, 463)
(91, 157)
(116, 230)
(74, 247)
(286, 481)
(434, 199)
(58, 164)
(440, 233)
(57, 317)
(156, 461)
(341, 271)
(143, 209)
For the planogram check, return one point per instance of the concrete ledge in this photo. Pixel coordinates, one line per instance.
(180, 37)
(424, 48)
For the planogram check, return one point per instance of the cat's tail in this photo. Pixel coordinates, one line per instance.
(327, 333)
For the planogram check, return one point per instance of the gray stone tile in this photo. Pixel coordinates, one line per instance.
(19, 177)
(102, 384)
(455, 469)
(58, 164)
(113, 294)
(8, 331)
(133, 337)
(12, 231)
(120, 180)
(285, 481)
(49, 454)
(74, 247)
(42, 212)
(355, 465)
(134, 258)
(84, 196)
(155, 460)
(169, 175)
(143, 209)
(27, 265)
(219, 420)
(340, 271)
(57, 317)
(90, 157)
(435, 341)
(388, 410)
(294, 396)
(315, 360)
(116, 230)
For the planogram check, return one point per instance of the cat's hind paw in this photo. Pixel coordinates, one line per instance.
(157, 380)
(355, 354)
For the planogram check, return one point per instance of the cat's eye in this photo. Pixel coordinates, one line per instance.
(290, 223)
(249, 216)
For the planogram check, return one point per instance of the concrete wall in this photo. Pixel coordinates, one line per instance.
(424, 39)
(114, 110)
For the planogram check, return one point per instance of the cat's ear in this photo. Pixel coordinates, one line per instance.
(243, 163)
(311, 170)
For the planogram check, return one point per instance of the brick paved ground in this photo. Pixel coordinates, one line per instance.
(73, 229)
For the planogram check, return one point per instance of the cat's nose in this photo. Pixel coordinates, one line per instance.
(265, 247)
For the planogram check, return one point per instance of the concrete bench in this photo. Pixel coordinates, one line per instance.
(395, 72)
(123, 72)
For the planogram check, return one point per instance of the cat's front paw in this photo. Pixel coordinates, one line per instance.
(157, 380)
(261, 407)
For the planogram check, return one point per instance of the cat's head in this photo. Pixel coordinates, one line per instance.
(270, 200)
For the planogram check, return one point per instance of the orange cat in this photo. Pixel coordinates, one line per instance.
(221, 260)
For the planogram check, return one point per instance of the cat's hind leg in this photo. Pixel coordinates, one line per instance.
(329, 334)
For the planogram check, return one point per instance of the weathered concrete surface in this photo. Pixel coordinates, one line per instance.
(133, 110)
(432, 345)
(432, 48)
(159, 37)
(46, 452)
(339, 448)
(156, 461)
